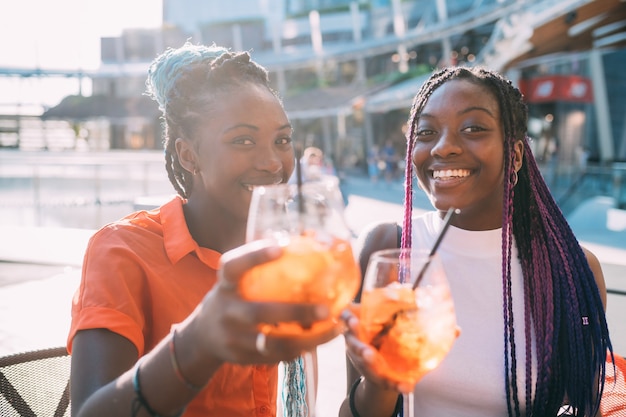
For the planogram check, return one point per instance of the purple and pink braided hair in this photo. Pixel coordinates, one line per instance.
(562, 303)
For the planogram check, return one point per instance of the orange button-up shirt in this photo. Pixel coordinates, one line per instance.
(144, 273)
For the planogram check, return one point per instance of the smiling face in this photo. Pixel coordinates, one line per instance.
(244, 142)
(458, 153)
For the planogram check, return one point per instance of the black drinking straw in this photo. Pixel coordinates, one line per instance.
(377, 339)
(446, 223)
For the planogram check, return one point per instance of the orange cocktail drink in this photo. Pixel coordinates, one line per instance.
(409, 328)
(309, 271)
(317, 265)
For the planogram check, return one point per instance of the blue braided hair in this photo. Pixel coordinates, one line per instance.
(167, 69)
(294, 391)
(186, 83)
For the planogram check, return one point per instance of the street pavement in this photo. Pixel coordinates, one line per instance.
(40, 270)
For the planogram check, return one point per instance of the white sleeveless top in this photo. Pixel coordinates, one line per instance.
(470, 380)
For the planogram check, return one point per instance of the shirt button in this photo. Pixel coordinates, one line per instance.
(264, 409)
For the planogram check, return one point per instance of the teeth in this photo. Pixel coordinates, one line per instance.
(451, 173)
(251, 187)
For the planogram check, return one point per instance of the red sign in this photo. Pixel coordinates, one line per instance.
(570, 88)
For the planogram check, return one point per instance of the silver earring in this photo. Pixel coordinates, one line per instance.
(514, 178)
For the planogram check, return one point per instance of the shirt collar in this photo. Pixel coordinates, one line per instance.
(177, 239)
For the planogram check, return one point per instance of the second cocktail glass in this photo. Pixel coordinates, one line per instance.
(413, 329)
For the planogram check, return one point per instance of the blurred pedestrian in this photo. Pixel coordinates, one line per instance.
(373, 161)
(158, 327)
(390, 156)
(314, 166)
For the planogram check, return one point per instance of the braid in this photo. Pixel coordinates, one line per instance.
(419, 101)
(562, 304)
(576, 301)
(510, 349)
(186, 82)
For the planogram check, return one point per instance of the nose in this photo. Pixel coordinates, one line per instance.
(447, 144)
(267, 159)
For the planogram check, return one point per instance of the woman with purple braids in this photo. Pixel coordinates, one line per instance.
(530, 301)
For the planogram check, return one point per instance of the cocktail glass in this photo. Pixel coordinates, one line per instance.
(318, 265)
(413, 329)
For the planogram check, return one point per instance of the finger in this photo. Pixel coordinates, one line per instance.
(295, 345)
(234, 263)
(243, 320)
(355, 309)
(305, 314)
(359, 350)
(351, 314)
(371, 365)
(263, 346)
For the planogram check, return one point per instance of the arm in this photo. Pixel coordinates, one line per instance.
(222, 328)
(103, 370)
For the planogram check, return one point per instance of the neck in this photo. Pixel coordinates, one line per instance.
(218, 231)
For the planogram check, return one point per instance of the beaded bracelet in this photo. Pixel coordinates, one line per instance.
(176, 366)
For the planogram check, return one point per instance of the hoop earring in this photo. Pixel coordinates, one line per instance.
(514, 178)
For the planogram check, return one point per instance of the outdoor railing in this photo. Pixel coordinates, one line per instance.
(74, 189)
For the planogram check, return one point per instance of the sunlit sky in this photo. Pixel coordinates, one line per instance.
(62, 34)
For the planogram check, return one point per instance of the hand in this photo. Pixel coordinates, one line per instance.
(365, 357)
(231, 326)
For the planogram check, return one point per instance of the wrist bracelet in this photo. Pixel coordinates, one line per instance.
(140, 401)
(351, 397)
(176, 366)
(396, 412)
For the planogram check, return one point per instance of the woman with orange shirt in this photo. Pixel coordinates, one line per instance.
(158, 328)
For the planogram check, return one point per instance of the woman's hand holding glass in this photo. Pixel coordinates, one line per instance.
(227, 325)
(401, 331)
(317, 265)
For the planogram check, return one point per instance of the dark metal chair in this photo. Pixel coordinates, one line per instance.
(35, 384)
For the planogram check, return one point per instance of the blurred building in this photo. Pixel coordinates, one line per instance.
(348, 69)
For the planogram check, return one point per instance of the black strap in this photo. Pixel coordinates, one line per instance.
(399, 410)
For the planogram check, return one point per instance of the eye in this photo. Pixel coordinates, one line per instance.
(424, 133)
(284, 140)
(243, 140)
(473, 129)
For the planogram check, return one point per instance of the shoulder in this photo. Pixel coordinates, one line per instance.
(596, 269)
(128, 226)
(381, 235)
(141, 229)
(377, 236)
